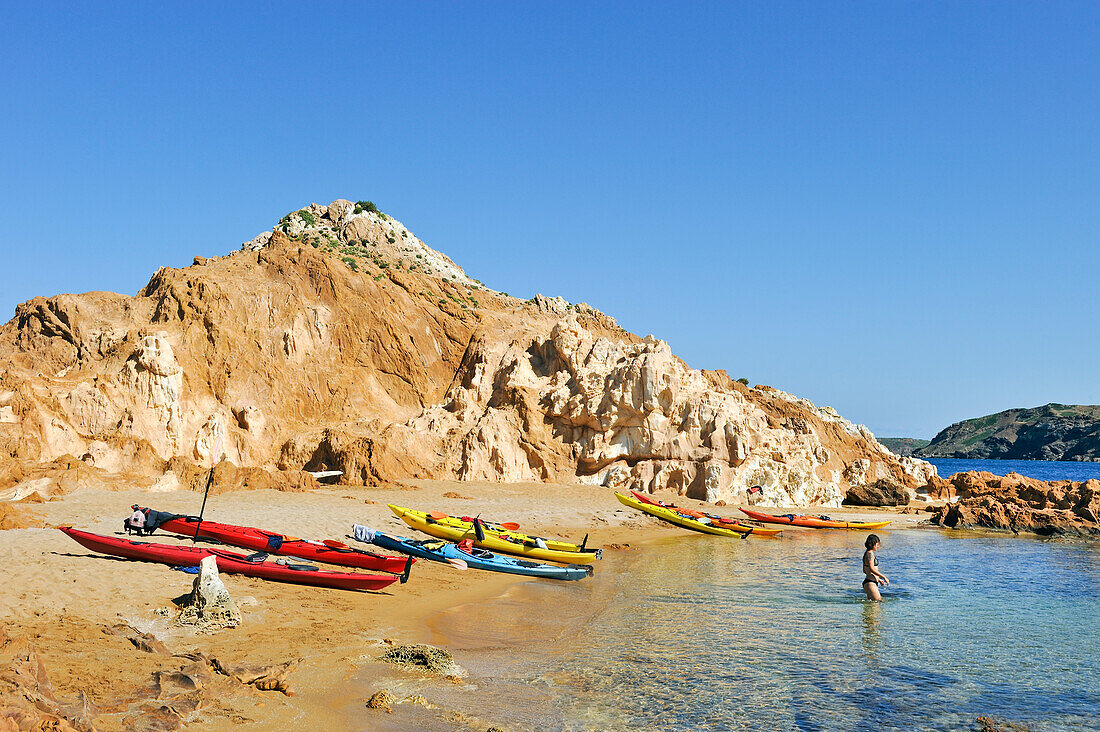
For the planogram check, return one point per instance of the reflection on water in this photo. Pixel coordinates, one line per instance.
(871, 637)
(696, 632)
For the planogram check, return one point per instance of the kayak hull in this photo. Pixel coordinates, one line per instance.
(722, 522)
(228, 562)
(496, 542)
(689, 523)
(810, 522)
(259, 540)
(441, 551)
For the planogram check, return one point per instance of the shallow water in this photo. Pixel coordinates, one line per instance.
(696, 632)
(1039, 469)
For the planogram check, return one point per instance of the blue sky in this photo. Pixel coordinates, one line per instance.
(889, 208)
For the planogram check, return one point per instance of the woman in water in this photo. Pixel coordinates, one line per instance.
(873, 577)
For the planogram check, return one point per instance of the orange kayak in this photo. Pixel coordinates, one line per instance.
(812, 522)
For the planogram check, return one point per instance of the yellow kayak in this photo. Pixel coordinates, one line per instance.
(688, 522)
(456, 529)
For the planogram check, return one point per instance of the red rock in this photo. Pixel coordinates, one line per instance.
(1018, 503)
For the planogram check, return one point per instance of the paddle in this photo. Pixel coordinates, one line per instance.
(215, 454)
(338, 545)
(458, 564)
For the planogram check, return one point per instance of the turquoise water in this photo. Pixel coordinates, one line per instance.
(1040, 469)
(696, 632)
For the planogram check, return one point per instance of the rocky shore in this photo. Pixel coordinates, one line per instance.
(1018, 504)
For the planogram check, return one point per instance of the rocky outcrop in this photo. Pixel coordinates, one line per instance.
(422, 657)
(209, 607)
(882, 492)
(341, 341)
(1050, 432)
(1017, 503)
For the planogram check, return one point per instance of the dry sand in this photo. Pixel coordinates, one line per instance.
(65, 598)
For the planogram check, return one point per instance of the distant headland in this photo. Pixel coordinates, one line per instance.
(1050, 432)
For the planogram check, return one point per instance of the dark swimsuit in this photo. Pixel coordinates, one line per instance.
(871, 579)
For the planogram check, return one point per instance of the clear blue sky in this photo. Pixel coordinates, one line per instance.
(890, 208)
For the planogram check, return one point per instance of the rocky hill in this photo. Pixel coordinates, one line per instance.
(339, 340)
(903, 445)
(1050, 432)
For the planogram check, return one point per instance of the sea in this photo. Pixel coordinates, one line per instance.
(1040, 469)
(693, 632)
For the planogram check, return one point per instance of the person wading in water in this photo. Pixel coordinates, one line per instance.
(873, 577)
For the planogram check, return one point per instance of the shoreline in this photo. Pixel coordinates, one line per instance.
(67, 599)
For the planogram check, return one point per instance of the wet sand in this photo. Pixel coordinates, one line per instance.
(64, 598)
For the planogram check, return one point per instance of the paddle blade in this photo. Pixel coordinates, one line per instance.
(408, 569)
(478, 531)
(510, 525)
(458, 564)
(437, 515)
(333, 544)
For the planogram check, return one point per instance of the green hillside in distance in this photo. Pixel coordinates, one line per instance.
(1049, 432)
(903, 446)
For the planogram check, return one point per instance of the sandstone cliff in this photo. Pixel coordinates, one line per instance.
(339, 340)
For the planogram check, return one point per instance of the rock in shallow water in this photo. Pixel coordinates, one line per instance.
(383, 699)
(1017, 503)
(424, 658)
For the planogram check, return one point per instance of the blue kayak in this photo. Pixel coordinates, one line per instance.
(435, 550)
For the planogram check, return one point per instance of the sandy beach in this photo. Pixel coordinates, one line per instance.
(66, 600)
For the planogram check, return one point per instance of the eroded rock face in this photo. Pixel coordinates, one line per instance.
(341, 341)
(627, 414)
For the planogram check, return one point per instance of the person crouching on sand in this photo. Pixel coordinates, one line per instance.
(873, 577)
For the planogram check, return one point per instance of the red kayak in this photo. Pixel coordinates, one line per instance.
(259, 540)
(228, 562)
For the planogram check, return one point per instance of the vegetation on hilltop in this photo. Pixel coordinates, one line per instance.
(1050, 432)
(903, 445)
